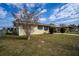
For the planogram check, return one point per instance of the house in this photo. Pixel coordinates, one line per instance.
(37, 28)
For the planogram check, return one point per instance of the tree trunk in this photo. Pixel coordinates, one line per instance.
(28, 32)
(28, 36)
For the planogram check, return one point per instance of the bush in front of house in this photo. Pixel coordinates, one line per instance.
(51, 30)
(62, 29)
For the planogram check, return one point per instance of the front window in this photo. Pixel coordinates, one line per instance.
(40, 27)
(45, 28)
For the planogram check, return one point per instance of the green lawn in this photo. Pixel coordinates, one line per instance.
(46, 44)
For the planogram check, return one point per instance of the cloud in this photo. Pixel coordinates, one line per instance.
(44, 10)
(29, 5)
(42, 19)
(67, 21)
(69, 11)
(2, 13)
(41, 12)
(52, 18)
(18, 5)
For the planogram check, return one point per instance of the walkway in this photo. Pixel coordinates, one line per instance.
(68, 34)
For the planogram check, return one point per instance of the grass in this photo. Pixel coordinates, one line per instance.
(40, 45)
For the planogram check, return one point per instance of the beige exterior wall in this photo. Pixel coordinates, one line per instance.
(21, 31)
(34, 31)
(39, 31)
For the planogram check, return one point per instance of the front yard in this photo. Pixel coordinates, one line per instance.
(46, 44)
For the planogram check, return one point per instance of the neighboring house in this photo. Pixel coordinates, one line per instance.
(37, 28)
(11, 30)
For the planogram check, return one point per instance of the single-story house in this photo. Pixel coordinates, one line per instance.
(37, 28)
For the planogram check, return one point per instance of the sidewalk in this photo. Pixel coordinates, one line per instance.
(68, 34)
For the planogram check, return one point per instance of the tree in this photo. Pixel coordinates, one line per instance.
(72, 27)
(26, 18)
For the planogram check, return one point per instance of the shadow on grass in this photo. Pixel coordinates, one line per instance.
(13, 37)
(73, 50)
(71, 47)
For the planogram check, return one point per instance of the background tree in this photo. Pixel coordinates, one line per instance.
(27, 18)
(72, 27)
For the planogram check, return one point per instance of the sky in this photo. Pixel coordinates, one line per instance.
(56, 13)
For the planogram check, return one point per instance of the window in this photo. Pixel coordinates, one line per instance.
(45, 28)
(10, 29)
(40, 27)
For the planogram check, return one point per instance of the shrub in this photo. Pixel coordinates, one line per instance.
(51, 30)
(62, 30)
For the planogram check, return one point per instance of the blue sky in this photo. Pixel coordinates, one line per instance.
(56, 13)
